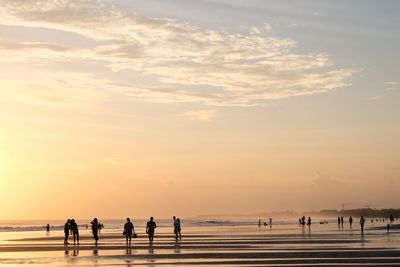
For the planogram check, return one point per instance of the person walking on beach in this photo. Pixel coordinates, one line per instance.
(362, 222)
(338, 221)
(342, 221)
(95, 230)
(177, 227)
(351, 221)
(66, 232)
(48, 229)
(128, 231)
(75, 231)
(150, 227)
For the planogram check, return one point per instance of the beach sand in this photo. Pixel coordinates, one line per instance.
(283, 245)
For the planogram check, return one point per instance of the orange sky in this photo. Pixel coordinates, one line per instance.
(123, 114)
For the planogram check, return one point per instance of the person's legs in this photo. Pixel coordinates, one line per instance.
(151, 236)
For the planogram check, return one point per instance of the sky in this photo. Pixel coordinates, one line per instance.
(190, 107)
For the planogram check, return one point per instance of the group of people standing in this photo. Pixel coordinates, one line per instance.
(71, 227)
(302, 221)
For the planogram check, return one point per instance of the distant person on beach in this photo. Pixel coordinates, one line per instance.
(309, 222)
(66, 232)
(259, 222)
(48, 229)
(270, 221)
(338, 221)
(128, 231)
(75, 231)
(178, 229)
(150, 227)
(303, 221)
(342, 221)
(391, 218)
(362, 222)
(175, 225)
(299, 221)
(95, 230)
(351, 221)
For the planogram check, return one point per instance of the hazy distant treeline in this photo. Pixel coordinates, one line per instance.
(367, 212)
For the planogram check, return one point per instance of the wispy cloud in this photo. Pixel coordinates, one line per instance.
(373, 98)
(391, 85)
(201, 115)
(179, 62)
(268, 27)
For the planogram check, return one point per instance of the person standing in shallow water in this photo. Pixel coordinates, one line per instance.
(351, 221)
(150, 227)
(128, 231)
(309, 222)
(75, 231)
(95, 230)
(66, 232)
(362, 222)
(175, 227)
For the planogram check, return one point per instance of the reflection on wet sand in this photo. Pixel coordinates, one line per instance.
(224, 246)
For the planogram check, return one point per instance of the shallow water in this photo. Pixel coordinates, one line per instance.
(222, 245)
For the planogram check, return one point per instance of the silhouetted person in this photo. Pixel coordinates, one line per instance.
(70, 230)
(95, 230)
(391, 218)
(309, 222)
(303, 221)
(299, 222)
(270, 221)
(66, 232)
(75, 231)
(362, 222)
(48, 229)
(178, 229)
(175, 224)
(351, 221)
(259, 223)
(128, 231)
(338, 221)
(150, 227)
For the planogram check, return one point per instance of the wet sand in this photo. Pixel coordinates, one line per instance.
(222, 246)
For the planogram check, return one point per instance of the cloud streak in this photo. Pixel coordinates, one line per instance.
(201, 115)
(177, 62)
